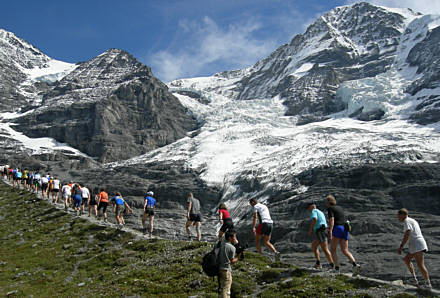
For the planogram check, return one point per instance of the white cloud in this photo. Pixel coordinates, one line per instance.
(423, 6)
(207, 44)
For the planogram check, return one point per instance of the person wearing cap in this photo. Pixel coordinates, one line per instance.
(318, 232)
(149, 206)
(417, 246)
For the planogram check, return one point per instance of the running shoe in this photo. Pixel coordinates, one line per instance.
(317, 266)
(356, 270)
(277, 256)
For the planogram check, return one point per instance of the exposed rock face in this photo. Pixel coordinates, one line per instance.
(370, 196)
(111, 108)
(345, 44)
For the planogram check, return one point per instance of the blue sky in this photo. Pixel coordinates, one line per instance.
(176, 38)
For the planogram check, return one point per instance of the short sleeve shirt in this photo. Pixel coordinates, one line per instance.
(103, 196)
(263, 213)
(416, 240)
(85, 193)
(195, 206)
(320, 219)
(338, 214)
(150, 202)
(226, 254)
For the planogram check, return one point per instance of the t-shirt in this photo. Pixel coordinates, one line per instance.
(56, 184)
(149, 202)
(44, 180)
(195, 206)
(224, 213)
(226, 253)
(320, 219)
(103, 197)
(66, 189)
(416, 240)
(118, 200)
(338, 214)
(85, 192)
(263, 213)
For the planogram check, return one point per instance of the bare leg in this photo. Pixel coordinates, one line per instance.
(151, 223)
(333, 247)
(407, 260)
(269, 245)
(324, 247)
(257, 242)
(344, 248)
(315, 245)
(420, 260)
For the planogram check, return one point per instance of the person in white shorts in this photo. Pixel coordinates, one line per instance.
(417, 246)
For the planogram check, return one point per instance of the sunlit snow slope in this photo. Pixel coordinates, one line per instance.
(253, 141)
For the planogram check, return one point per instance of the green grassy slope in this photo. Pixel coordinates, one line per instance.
(45, 252)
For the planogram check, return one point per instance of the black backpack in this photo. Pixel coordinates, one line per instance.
(210, 261)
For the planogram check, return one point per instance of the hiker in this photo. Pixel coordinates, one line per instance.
(225, 220)
(37, 181)
(77, 198)
(44, 185)
(103, 203)
(193, 216)
(118, 208)
(338, 234)
(226, 258)
(24, 178)
(318, 231)
(55, 189)
(66, 191)
(85, 197)
(417, 246)
(149, 206)
(265, 226)
(93, 203)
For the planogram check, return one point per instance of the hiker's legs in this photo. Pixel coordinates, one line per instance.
(333, 246)
(151, 223)
(199, 231)
(225, 277)
(420, 260)
(188, 227)
(266, 242)
(344, 248)
(258, 242)
(324, 247)
(315, 246)
(220, 235)
(407, 260)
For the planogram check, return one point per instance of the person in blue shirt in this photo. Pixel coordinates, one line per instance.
(149, 206)
(318, 231)
(119, 204)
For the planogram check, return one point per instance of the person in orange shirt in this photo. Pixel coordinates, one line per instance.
(103, 203)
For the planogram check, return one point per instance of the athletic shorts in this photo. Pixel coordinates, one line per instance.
(66, 195)
(55, 190)
(77, 201)
(195, 217)
(321, 235)
(84, 201)
(44, 186)
(339, 232)
(149, 211)
(264, 229)
(119, 210)
(228, 224)
(103, 205)
(93, 202)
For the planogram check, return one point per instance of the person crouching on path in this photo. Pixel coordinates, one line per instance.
(226, 258)
(103, 203)
(193, 217)
(417, 246)
(149, 206)
(119, 204)
(265, 226)
(318, 231)
(225, 221)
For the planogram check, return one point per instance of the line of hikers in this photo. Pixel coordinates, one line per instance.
(336, 229)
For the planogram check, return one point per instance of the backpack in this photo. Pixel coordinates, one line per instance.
(210, 261)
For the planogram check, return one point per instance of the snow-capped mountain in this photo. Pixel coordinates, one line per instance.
(350, 107)
(25, 72)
